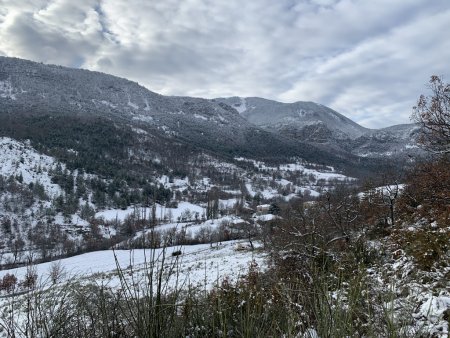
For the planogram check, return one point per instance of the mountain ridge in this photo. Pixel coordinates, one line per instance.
(317, 124)
(165, 126)
(265, 112)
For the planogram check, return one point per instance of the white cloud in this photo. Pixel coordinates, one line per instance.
(54, 32)
(382, 76)
(367, 59)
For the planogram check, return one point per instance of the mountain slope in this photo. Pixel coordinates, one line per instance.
(73, 99)
(116, 128)
(319, 125)
(268, 113)
(395, 140)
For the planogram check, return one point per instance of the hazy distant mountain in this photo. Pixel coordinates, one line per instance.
(391, 141)
(273, 114)
(317, 124)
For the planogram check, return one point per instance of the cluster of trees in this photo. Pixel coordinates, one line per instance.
(432, 113)
(9, 283)
(338, 220)
(16, 195)
(429, 184)
(15, 199)
(115, 193)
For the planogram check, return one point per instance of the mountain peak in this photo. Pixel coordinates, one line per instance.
(268, 114)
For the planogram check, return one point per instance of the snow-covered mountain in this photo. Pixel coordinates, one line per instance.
(273, 114)
(391, 141)
(36, 91)
(79, 113)
(317, 124)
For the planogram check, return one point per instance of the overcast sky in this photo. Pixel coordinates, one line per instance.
(367, 59)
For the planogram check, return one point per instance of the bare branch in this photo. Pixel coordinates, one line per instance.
(432, 114)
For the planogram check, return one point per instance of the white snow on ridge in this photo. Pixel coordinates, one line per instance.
(109, 104)
(139, 131)
(147, 106)
(385, 190)
(411, 146)
(143, 118)
(222, 119)
(242, 107)
(293, 167)
(17, 158)
(133, 105)
(326, 175)
(197, 116)
(193, 229)
(267, 217)
(312, 180)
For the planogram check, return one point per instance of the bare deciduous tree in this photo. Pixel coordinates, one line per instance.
(432, 113)
(56, 272)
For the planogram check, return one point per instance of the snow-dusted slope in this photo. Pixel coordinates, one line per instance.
(32, 89)
(21, 160)
(198, 265)
(270, 114)
(318, 124)
(392, 141)
(249, 127)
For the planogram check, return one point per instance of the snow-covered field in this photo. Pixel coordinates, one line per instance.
(288, 181)
(197, 269)
(198, 266)
(162, 212)
(193, 229)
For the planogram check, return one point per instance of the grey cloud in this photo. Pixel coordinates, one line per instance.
(54, 32)
(379, 73)
(367, 59)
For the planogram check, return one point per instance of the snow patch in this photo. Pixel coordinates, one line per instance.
(6, 90)
(17, 158)
(147, 106)
(197, 116)
(133, 105)
(184, 209)
(143, 118)
(242, 107)
(139, 131)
